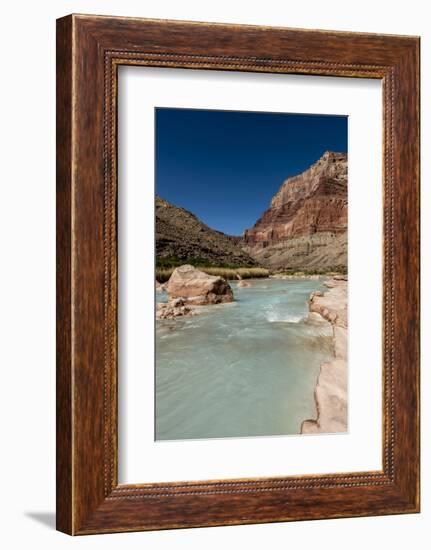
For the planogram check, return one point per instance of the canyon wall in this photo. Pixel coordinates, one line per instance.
(305, 226)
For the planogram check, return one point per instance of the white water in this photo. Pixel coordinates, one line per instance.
(248, 368)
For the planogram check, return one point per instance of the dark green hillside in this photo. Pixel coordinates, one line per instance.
(182, 238)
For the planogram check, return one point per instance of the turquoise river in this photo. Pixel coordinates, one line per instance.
(243, 369)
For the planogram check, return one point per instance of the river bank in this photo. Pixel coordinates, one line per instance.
(306, 275)
(331, 388)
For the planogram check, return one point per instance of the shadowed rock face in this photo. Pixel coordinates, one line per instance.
(306, 224)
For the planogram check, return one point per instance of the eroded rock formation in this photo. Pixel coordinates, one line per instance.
(306, 223)
(331, 388)
(172, 309)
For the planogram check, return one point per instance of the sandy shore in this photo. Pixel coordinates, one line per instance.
(331, 388)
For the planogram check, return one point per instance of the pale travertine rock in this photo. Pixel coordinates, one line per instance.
(331, 387)
(172, 309)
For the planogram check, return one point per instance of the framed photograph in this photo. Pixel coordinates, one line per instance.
(237, 274)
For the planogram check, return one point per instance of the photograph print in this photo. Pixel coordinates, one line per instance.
(251, 274)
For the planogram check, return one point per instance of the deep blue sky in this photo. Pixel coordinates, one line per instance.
(225, 166)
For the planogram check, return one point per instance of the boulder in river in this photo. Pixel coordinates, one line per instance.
(197, 288)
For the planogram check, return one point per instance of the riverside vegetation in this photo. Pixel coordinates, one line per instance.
(229, 273)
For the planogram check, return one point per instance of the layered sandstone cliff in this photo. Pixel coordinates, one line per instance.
(306, 223)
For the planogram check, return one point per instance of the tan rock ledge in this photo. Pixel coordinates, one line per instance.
(331, 388)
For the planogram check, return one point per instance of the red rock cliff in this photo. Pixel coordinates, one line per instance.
(308, 212)
(311, 202)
